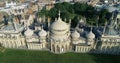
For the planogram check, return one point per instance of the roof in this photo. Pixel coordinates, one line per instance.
(59, 25)
(11, 27)
(110, 31)
(111, 8)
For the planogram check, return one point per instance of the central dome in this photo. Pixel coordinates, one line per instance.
(59, 25)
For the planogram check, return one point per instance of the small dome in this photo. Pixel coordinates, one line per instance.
(59, 25)
(75, 34)
(81, 21)
(28, 32)
(90, 35)
(42, 33)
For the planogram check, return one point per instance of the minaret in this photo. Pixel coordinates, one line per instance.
(55, 19)
(6, 3)
(70, 22)
(97, 21)
(44, 17)
(42, 27)
(110, 30)
(84, 20)
(65, 20)
(116, 23)
(59, 15)
(49, 27)
(105, 27)
(14, 24)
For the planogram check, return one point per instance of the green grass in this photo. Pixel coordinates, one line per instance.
(28, 56)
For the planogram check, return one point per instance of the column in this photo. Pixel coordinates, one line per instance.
(60, 48)
(55, 48)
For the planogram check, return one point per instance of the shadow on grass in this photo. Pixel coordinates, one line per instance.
(105, 58)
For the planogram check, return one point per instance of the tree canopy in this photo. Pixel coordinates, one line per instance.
(71, 11)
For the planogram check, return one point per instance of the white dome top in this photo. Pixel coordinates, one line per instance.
(28, 32)
(59, 25)
(75, 34)
(42, 33)
(81, 21)
(91, 35)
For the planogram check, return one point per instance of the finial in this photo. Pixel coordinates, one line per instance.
(69, 21)
(55, 19)
(91, 28)
(49, 19)
(59, 19)
(106, 23)
(65, 20)
(59, 14)
(42, 27)
(112, 15)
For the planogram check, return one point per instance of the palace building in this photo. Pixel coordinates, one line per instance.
(58, 37)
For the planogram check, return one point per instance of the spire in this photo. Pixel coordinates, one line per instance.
(105, 27)
(55, 19)
(110, 30)
(85, 19)
(70, 22)
(48, 26)
(42, 27)
(48, 22)
(15, 26)
(97, 21)
(65, 20)
(91, 29)
(59, 16)
(112, 15)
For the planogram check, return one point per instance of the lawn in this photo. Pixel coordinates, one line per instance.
(28, 56)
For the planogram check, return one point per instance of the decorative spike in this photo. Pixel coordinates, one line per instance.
(55, 19)
(65, 20)
(59, 14)
(69, 21)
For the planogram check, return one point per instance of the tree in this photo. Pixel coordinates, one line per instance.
(72, 11)
(53, 13)
(104, 16)
(43, 12)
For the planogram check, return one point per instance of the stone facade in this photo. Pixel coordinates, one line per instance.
(24, 33)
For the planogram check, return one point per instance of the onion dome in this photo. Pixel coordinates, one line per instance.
(91, 35)
(75, 34)
(28, 32)
(42, 33)
(59, 25)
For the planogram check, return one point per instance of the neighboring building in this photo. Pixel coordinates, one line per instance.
(64, 0)
(110, 1)
(85, 1)
(110, 40)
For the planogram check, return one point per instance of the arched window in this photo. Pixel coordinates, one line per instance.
(62, 49)
(53, 48)
(58, 48)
